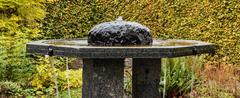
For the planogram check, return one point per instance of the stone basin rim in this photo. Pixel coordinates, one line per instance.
(39, 47)
(82, 43)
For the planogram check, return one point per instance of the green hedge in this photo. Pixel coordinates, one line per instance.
(216, 21)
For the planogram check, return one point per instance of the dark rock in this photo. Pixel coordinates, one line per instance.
(119, 33)
(146, 77)
(103, 78)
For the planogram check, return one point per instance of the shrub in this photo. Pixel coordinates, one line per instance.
(215, 21)
(180, 75)
(43, 79)
(10, 88)
(19, 22)
(75, 79)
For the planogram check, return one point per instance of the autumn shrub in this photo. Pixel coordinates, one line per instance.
(218, 81)
(19, 23)
(43, 80)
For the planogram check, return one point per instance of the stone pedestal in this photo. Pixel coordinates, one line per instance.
(146, 78)
(103, 78)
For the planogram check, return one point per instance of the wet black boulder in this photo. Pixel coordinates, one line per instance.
(119, 33)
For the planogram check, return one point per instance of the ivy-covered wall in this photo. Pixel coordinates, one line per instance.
(216, 21)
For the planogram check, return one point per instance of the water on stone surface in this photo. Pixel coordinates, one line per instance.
(177, 43)
(70, 42)
(157, 43)
(63, 43)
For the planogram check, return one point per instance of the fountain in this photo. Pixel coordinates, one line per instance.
(104, 51)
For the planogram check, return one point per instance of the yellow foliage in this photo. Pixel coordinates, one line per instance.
(44, 77)
(75, 78)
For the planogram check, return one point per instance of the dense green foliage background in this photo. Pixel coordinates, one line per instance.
(216, 21)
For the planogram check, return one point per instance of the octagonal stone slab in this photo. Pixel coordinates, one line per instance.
(159, 49)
